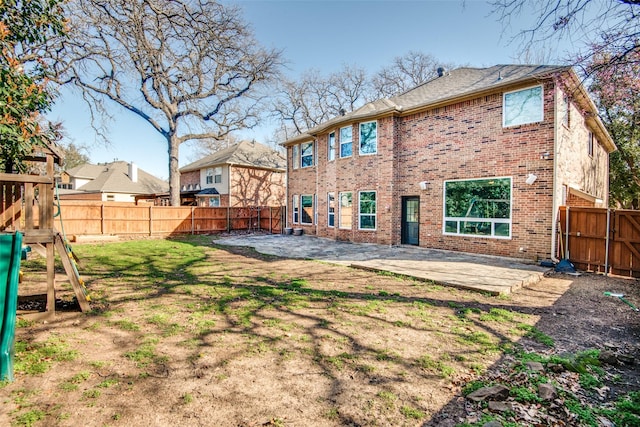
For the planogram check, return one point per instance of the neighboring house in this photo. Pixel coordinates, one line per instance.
(244, 174)
(117, 182)
(476, 160)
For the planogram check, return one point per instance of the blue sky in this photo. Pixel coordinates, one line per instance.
(322, 35)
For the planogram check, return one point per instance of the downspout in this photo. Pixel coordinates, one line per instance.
(554, 225)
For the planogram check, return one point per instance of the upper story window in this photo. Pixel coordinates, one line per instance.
(346, 141)
(332, 146)
(306, 154)
(209, 176)
(368, 138)
(522, 106)
(217, 175)
(590, 145)
(295, 156)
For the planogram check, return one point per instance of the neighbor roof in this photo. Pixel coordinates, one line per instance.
(114, 178)
(244, 153)
(454, 85)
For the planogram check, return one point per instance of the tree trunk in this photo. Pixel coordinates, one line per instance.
(174, 172)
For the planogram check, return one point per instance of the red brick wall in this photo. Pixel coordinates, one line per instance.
(575, 201)
(256, 187)
(187, 178)
(460, 141)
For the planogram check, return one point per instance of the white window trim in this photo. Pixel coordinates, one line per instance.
(360, 139)
(329, 209)
(347, 142)
(295, 156)
(504, 107)
(330, 148)
(295, 211)
(360, 214)
(340, 226)
(312, 155)
(213, 198)
(493, 221)
(216, 174)
(313, 209)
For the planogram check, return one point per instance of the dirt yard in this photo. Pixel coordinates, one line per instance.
(186, 333)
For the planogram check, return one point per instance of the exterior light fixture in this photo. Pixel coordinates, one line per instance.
(531, 179)
(545, 156)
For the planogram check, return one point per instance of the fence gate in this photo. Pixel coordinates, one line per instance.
(601, 240)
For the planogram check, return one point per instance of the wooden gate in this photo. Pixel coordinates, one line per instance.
(601, 240)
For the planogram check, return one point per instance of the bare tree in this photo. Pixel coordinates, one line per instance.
(192, 69)
(406, 72)
(305, 103)
(611, 26)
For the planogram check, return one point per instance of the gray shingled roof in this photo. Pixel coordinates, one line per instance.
(453, 85)
(245, 153)
(114, 178)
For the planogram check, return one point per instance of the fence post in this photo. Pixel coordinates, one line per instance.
(270, 220)
(228, 219)
(192, 221)
(102, 218)
(606, 246)
(566, 232)
(150, 220)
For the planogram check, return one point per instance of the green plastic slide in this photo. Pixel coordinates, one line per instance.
(10, 254)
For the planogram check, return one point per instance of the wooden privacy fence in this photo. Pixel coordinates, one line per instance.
(601, 240)
(86, 218)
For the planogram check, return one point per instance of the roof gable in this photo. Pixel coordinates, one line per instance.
(244, 153)
(114, 178)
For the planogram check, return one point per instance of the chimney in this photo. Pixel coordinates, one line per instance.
(133, 172)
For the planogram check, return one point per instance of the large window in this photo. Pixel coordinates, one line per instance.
(346, 210)
(306, 154)
(332, 146)
(209, 177)
(295, 209)
(346, 141)
(367, 211)
(522, 106)
(306, 201)
(369, 138)
(295, 156)
(331, 206)
(217, 175)
(478, 207)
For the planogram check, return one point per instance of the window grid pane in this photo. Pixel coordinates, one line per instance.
(307, 209)
(346, 210)
(478, 207)
(367, 211)
(368, 138)
(346, 142)
(332, 146)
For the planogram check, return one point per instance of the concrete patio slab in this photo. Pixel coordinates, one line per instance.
(494, 275)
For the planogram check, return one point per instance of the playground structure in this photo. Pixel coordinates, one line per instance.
(27, 205)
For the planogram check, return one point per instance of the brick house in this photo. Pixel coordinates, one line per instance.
(245, 174)
(117, 181)
(475, 160)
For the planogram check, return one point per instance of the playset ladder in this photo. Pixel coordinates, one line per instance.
(72, 272)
